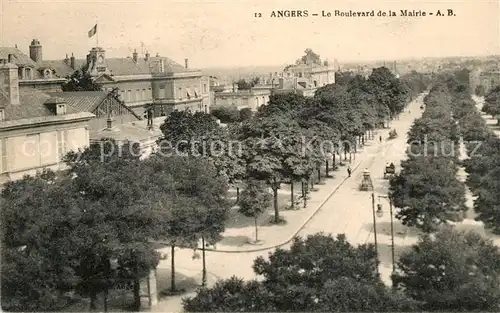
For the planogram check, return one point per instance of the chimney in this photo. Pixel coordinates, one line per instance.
(146, 56)
(10, 58)
(109, 122)
(9, 81)
(162, 66)
(134, 56)
(72, 61)
(157, 55)
(66, 59)
(186, 63)
(36, 50)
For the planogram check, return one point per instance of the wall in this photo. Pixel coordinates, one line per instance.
(27, 150)
(24, 86)
(184, 85)
(102, 122)
(133, 93)
(238, 101)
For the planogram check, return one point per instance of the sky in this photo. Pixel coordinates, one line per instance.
(226, 32)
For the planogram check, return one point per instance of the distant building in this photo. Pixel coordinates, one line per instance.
(33, 71)
(241, 99)
(147, 80)
(36, 129)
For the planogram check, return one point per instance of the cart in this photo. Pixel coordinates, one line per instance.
(389, 171)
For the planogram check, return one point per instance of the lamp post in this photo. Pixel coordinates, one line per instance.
(392, 228)
(375, 229)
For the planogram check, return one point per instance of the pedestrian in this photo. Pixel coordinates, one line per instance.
(380, 138)
(349, 171)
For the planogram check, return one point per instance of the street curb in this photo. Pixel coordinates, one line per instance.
(274, 246)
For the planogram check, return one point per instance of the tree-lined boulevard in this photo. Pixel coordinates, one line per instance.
(274, 226)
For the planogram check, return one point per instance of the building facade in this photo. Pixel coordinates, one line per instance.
(36, 129)
(33, 72)
(240, 99)
(156, 81)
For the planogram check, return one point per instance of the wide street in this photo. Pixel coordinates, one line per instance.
(347, 211)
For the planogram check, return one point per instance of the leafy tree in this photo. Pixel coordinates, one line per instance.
(114, 189)
(81, 80)
(452, 271)
(492, 102)
(231, 295)
(226, 115)
(37, 245)
(255, 200)
(245, 114)
(318, 274)
(480, 90)
(196, 205)
(245, 85)
(309, 57)
(268, 143)
(388, 90)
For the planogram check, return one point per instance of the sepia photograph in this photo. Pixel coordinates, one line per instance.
(249, 156)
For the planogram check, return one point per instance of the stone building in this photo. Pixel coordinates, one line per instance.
(36, 129)
(34, 72)
(240, 99)
(146, 80)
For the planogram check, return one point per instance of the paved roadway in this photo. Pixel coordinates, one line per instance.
(347, 211)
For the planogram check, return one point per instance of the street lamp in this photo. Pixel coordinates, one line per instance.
(375, 230)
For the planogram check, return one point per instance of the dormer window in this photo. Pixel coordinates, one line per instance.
(47, 73)
(20, 72)
(61, 109)
(28, 73)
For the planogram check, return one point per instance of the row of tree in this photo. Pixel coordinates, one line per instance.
(483, 164)
(92, 228)
(427, 189)
(452, 271)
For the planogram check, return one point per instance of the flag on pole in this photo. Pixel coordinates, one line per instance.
(93, 31)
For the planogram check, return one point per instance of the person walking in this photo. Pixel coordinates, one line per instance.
(349, 171)
(380, 138)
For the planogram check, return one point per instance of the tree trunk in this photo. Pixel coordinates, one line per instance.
(172, 266)
(333, 160)
(275, 204)
(327, 168)
(237, 194)
(137, 295)
(93, 300)
(345, 155)
(256, 229)
(305, 194)
(105, 300)
(311, 181)
(204, 269)
(319, 175)
(292, 198)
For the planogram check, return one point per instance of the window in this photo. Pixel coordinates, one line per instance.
(29, 74)
(20, 72)
(144, 94)
(162, 93)
(61, 109)
(188, 94)
(129, 95)
(196, 93)
(2, 114)
(3, 155)
(138, 95)
(62, 136)
(204, 88)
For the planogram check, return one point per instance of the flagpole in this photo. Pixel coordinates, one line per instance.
(97, 33)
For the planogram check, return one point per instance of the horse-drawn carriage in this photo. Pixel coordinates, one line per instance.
(389, 170)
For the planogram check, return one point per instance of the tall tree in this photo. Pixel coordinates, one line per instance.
(254, 201)
(81, 80)
(452, 271)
